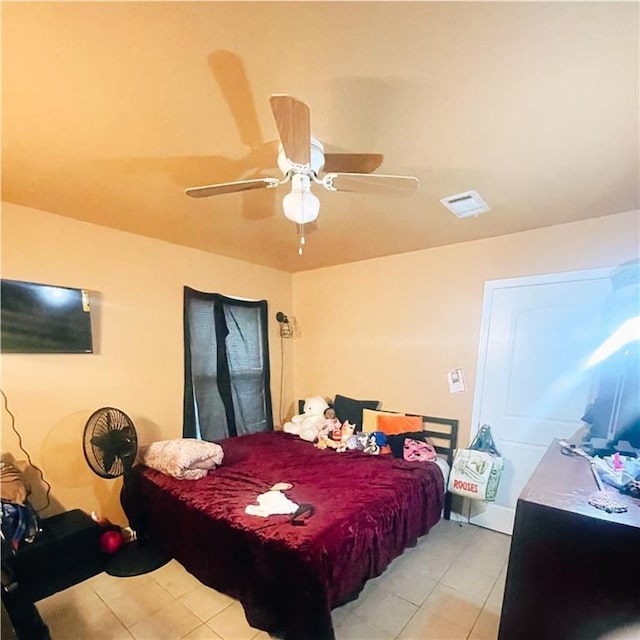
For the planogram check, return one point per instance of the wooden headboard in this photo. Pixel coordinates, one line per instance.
(444, 433)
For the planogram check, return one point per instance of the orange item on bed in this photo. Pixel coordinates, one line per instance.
(392, 425)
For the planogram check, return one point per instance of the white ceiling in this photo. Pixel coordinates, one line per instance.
(110, 110)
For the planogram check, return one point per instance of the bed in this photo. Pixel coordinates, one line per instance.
(367, 510)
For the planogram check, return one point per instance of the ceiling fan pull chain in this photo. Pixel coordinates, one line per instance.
(301, 236)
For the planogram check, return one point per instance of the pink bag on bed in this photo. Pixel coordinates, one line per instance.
(418, 451)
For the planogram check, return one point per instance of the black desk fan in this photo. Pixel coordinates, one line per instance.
(110, 445)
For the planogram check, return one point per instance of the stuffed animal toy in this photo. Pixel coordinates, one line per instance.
(354, 443)
(372, 447)
(307, 424)
(345, 433)
(336, 434)
(329, 422)
(330, 434)
(362, 439)
(381, 441)
(325, 442)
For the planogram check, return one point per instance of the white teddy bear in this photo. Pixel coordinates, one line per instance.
(307, 424)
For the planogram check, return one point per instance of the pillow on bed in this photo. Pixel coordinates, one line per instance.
(185, 458)
(351, 410)
(396, 442)
(393, 424)
(370, 418)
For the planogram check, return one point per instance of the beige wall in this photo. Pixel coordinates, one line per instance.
(384, 329)
(137, 288)
(388, 329)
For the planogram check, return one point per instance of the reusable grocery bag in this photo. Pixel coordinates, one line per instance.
(476, 471)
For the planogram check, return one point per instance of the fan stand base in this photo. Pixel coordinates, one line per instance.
(134, 559)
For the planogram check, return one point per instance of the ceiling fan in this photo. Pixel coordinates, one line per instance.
(303, 162)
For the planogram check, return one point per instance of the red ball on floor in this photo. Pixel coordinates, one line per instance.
(111, 541)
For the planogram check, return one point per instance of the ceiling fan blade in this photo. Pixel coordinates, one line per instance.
(352, 162)
(369, 182)
(231, 187)
(293, 120)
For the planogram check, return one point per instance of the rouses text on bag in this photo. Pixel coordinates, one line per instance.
(465, 486)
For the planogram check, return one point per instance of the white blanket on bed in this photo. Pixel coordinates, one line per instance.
(185, 458)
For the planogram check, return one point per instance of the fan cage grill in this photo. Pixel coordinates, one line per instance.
(109, 442)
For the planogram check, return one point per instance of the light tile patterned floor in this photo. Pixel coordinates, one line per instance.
(449, 586)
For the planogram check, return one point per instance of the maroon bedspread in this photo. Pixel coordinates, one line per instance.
(368, 509)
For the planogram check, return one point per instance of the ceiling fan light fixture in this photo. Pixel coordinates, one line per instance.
(301, 206)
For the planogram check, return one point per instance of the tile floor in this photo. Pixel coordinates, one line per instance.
(448, 587)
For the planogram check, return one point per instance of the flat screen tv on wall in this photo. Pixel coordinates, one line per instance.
(42, 318)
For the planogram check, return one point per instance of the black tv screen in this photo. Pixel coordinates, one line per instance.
(41, 318)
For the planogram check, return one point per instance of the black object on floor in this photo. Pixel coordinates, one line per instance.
(65, 552)
(134, 559)
(24, 616)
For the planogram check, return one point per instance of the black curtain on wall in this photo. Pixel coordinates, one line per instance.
(227, 388)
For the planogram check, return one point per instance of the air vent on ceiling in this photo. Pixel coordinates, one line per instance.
(465, 204)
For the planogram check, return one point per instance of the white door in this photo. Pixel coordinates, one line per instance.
(532, 382)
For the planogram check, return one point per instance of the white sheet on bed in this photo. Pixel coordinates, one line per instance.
(445, 468)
